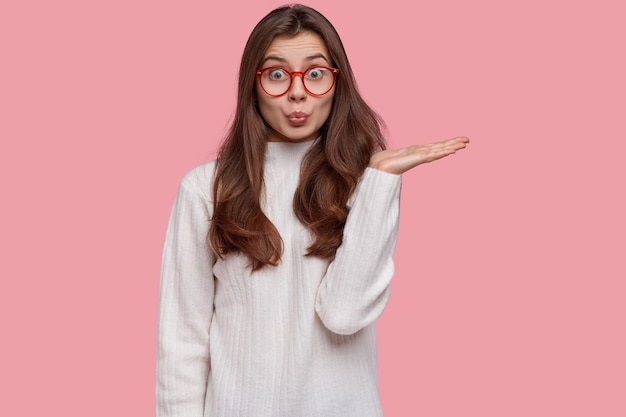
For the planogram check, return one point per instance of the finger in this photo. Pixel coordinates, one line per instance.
(435, 155)
(440, 152)
(437, 147)
(423, 156)
(456, 145)
(460, 139)
(415, 155)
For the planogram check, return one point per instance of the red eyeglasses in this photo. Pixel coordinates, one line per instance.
(317, 80)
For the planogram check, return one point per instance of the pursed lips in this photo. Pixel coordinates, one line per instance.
(297, 118)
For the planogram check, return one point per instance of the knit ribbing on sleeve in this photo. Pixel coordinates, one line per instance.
(185, 308)
(355, 289)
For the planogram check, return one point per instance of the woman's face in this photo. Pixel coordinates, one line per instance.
(295, 116)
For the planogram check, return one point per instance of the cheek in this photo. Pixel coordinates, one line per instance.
(327, 107)
(266, 108)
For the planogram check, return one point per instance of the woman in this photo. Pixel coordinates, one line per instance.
(278, 256)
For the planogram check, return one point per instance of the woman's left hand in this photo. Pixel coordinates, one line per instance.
(398, 161)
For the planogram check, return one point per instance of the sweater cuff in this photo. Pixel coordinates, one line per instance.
(378, 185)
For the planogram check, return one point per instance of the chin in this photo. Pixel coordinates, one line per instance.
(296, 136)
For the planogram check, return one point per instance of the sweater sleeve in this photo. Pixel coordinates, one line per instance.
(355, 289)
(185, 308)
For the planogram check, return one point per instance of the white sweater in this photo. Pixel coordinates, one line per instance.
(296, 340)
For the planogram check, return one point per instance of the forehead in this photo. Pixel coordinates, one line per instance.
(297, 48)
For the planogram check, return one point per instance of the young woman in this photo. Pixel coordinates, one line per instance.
(278, 255)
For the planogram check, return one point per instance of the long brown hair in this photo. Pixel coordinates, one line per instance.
(329, 172)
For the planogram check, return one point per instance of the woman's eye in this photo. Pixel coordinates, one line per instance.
(315, 73)
(277, 74)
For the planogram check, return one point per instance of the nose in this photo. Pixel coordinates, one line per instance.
(297, 91)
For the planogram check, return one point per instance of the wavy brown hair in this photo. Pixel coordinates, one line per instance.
(329, 172)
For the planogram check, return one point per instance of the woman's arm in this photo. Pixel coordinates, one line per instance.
(355, 289)
(185, 308)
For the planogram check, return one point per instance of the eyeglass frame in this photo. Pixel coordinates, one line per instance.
(334, 71)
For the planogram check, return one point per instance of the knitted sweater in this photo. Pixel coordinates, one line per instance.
(295, 340)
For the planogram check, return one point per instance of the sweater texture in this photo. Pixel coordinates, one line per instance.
(295, 340)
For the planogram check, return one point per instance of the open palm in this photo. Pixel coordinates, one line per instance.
(398, 161)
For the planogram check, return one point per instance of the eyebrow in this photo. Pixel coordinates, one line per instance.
(281, 59)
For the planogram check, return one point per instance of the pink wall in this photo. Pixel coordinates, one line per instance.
(509, 296)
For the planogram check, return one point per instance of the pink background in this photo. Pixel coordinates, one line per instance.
(509, 298)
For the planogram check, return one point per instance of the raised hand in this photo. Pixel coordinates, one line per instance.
(398, 161)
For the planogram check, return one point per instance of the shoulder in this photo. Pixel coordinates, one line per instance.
(199, 180)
